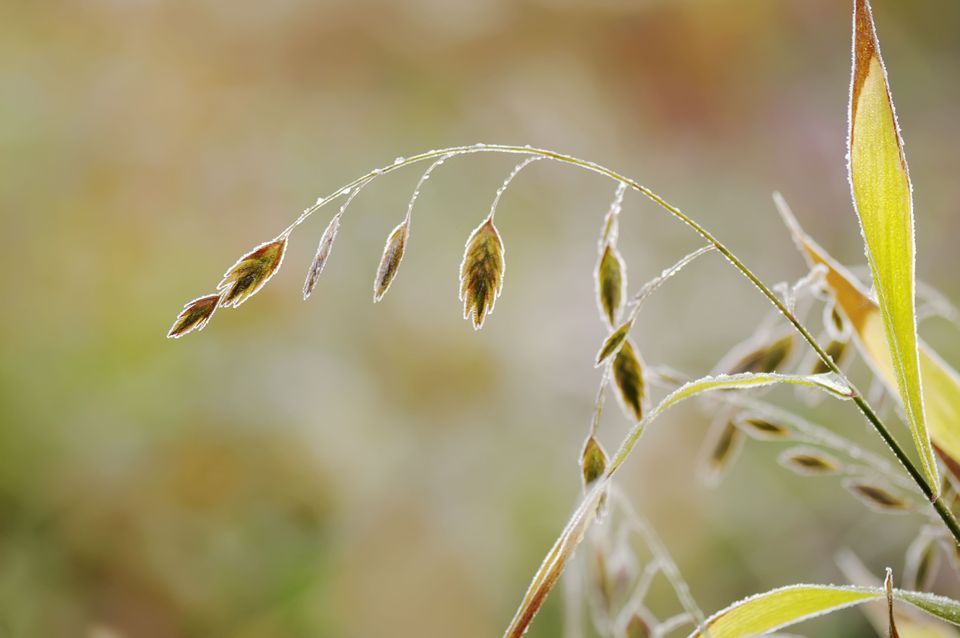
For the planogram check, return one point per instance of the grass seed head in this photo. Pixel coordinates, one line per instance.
(628, 379)
(320, 259)
(481, 272)
(195, 315)
(876, 497)
(809, 462)
(613, 342)
(836, 349)
(390, 261)
(251, 272)
(763, 429)
(767, 358)
(637, 627)
(611, 283)
(593, 461)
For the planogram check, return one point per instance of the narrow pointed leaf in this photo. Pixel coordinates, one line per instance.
(778, 608)
(942, 383)
(882, 196)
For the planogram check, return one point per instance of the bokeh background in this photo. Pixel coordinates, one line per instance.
(334, 468)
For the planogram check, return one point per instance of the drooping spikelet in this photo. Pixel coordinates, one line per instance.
(194, 316)
(251, 272)
(323, 252)
(481, 272)
(611, 283)
(390, 260)
(628, 379)
(809, 461)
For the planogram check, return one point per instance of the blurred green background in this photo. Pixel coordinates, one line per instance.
(335, 468)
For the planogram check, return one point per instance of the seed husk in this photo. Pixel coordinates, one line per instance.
(611, 283)
(251, 272)
(323, 252)
(390, 260)
(767, 358)
(628, 379)
(835, 349)
(613, 342)
(876, 497)
(764, 429)
(194, 316)
(809, 462)
(481, 272)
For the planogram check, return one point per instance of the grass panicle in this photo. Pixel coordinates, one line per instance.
(481, 272)
(195, 315)
(251, 272)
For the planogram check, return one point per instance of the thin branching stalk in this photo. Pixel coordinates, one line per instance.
(626, 448)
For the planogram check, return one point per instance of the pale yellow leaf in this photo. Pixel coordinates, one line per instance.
(880, 182)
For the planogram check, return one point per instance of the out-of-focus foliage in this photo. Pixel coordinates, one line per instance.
(338, 468)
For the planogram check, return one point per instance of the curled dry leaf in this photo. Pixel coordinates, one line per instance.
(390, 261)
(194, 316)
(876, 497)
(323, 252)
(628, 379)
(481, 272)
(251, 272)
(809, 461)
(611, 283)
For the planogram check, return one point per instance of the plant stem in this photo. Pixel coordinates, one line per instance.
(928, 491)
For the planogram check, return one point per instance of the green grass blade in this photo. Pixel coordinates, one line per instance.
(941, 382)
(880, 183)
(778, 608)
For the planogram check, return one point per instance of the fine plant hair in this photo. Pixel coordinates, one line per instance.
(818, 323)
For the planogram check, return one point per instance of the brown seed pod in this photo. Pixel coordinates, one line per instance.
(611, 283)
(194, 316)
(809, 462)
(251, 272)
(481, 272)
(763, 429)
(628, 379)
(876, 497)
(323, 252)
(390, 260)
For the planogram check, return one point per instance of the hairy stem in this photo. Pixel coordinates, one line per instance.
(928, 491)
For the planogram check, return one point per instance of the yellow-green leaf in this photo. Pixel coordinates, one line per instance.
(880, 183)
(941, 382)
(778, 608)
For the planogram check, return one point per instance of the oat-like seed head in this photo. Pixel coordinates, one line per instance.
(481, 272)
(251, 272)
(195, 315)
(390, 261)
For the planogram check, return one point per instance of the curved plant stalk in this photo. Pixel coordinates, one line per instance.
(583, 516)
